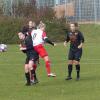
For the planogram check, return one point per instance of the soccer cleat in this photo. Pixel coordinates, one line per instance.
(34, 81)
(68, 78)
(78, 78)
(28, 84)
(51, 75)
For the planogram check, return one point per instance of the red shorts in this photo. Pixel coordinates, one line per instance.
(41, 50)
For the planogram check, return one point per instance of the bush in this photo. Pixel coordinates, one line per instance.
(8, 29)
(10, 26)
(56, 30)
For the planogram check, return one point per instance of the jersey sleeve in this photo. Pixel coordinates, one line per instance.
(81, 37)
(67, 39)
(44, 36)
(31, 33)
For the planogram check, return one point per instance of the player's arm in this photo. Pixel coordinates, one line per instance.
(22, 48)
(45, 38)
(67, 39)
(82, 41)
(80, 46)
(49, 41)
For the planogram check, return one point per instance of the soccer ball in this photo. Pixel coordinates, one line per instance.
(3, 48)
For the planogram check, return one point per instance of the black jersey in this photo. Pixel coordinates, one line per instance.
(27, 43)
(75, 38)
(30, 52)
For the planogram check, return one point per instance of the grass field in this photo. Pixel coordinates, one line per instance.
(12, 76)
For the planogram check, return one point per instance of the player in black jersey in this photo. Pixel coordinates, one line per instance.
(27, 31)
(27, 47)
(76, 39)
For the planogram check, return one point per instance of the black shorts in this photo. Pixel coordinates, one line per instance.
(75, 55)
(31, 55)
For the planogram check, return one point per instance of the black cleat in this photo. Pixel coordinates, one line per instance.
(28, 84)
(36, 81)
(68, 78)
(78, 78)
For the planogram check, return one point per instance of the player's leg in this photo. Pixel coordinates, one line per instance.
(70, 65)
(35, 66)
(31, 56)
(36, 60)
(48, 66)
(27, 72)
(32, 71)
(77, 63)
(43, 54)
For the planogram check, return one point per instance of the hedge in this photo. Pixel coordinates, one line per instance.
(10, 26)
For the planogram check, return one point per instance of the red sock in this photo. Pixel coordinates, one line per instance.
(48, 67)
(34, 66)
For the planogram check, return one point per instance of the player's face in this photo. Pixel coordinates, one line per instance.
(30, 24)
(43, 28)
(21, 36)
(72, 27)
(34, 25)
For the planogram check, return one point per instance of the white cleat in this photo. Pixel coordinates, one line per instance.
(51, 75)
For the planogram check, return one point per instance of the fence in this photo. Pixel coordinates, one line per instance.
(83, 11)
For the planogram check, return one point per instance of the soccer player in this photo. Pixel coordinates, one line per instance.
(27, 31)
(76, 39)
(27, 47)
(38, 38)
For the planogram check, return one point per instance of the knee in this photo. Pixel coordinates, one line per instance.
(46, 58)
(76, 62)
(70, 62)
(26, 68)
(30, 66)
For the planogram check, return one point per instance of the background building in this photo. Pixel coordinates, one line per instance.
(43, 3)
(74, 10)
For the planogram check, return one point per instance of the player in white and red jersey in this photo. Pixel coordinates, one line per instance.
(38, 38)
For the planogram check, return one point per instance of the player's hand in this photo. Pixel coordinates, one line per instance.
(22, 48)
(65, 44)
(20, 45)
(80, 46)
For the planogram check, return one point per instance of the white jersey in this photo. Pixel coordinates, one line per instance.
(38, 37)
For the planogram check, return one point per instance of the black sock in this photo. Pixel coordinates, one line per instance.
(33, 74)
(69, 70)
(27, 75)
(78, 70)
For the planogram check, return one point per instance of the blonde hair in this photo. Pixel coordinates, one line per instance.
(41, 25)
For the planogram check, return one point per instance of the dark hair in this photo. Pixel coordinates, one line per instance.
(75, 23)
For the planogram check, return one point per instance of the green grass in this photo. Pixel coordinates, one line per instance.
(12, 76)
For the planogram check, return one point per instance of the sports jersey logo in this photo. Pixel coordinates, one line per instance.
(73, 37)
(34, 36)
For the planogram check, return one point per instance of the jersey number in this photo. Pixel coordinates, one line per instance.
(34, 36)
